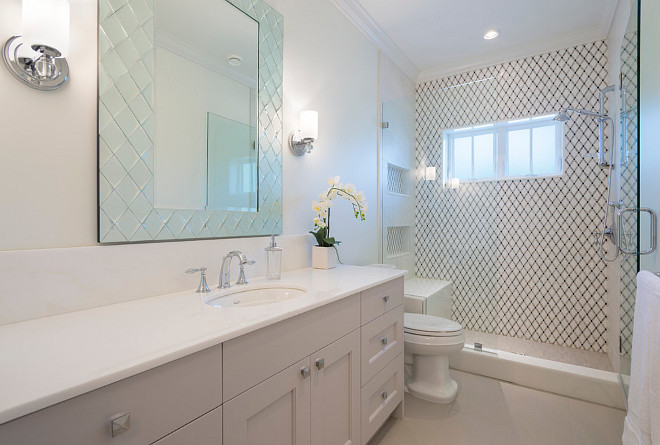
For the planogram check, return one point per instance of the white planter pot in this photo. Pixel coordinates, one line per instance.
(324, 257)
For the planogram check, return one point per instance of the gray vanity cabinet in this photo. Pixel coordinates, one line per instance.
(315, 400)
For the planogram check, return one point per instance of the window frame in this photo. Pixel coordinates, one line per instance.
(500, 131)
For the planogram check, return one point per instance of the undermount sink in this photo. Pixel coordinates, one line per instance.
(255, 295)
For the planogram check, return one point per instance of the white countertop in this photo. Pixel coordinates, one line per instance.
(49, 360)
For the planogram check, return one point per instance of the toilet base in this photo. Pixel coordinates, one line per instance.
(430, 379)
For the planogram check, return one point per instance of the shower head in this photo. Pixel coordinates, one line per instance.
(562, 116)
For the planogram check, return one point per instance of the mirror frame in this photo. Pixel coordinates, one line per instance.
(125, 149)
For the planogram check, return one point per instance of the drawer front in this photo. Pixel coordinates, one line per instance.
(252, 358)
(159, 401)
(381, 342)
(381, 396)
(376, 301)
(207, 430)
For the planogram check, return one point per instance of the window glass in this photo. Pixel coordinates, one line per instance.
(512, 149)
(544, 157)
(484, 156)
(518, 152)
(463, 158)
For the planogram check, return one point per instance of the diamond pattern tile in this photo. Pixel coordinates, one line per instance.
(518, 251)
(126, 212)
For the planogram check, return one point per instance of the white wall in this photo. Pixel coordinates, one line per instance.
(330, 67)
(48, 162)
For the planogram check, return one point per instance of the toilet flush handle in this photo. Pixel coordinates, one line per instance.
(386, 298)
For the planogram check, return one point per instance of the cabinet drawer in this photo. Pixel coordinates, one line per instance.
(159, 401)
(381, 342)
(252, 358)
(381, 396)
(376, 301)
(207, 430)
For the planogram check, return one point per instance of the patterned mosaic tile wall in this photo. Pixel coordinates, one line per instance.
(519, 252)
(629, 189)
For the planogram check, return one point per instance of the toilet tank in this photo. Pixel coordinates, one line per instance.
(424, 296)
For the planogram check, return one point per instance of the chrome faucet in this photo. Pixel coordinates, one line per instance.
(226, 263)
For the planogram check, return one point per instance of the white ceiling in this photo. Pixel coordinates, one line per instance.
(444, 36)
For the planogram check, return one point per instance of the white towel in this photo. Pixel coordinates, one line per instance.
(642, 425)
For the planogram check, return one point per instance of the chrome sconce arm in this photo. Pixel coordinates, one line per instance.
(37, 56)
(46, 72)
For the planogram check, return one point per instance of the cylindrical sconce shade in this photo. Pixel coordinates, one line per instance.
(309, 124)
(46, 22)
(429, 173)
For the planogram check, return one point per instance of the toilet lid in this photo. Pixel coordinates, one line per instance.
(422, 324)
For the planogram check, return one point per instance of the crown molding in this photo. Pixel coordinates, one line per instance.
(519, 52)
(360, 18)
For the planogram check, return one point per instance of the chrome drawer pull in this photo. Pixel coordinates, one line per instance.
(385, 298)
(320, 363)
(383, 340)
(121, 424)
(305, 372)
(383, 394)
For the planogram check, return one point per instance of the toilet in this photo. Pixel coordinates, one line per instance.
(429, 337)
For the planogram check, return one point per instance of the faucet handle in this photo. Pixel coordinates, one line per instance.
(203, 286)
(241, 274)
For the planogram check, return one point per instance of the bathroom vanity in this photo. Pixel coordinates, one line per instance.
(325, 367)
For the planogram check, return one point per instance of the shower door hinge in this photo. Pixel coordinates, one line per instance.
(620, 345)
(385, 125)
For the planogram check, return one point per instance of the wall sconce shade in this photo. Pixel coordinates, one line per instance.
(37, 57)
(429, 174)
(301, 140)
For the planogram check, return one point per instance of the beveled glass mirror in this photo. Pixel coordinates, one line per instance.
(190, 119)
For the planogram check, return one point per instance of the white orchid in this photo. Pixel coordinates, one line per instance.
(322, 208)
(333, 181)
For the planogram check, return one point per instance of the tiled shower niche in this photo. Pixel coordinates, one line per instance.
(520, 252)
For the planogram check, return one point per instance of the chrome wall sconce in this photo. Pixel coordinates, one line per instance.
(37, 56)
(301, 140)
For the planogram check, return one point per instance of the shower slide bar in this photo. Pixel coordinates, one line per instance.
(653, 230)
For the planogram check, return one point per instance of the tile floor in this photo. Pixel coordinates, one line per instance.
(548, 351)
(492, 412)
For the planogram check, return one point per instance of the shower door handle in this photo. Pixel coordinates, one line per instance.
(653, 229)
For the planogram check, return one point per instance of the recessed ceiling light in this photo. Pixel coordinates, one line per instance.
(491, 35)
(235, 60)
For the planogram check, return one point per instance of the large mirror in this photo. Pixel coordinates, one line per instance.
(190, 120)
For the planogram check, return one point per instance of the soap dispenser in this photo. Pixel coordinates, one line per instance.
(273, 260)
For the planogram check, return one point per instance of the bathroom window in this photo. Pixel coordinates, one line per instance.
(516, 149)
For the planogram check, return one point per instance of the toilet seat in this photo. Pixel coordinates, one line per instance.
(430, 326)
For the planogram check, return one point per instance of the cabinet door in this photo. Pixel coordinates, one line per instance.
(274, 412)
(336, 392)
